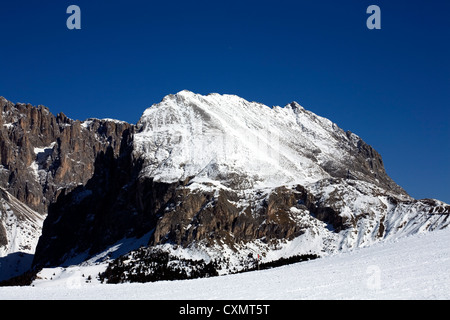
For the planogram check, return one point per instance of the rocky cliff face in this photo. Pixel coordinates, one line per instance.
(42, 156)
(220, 179)
(40, 153)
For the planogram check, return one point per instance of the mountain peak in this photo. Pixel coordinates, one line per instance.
(295, 106)
(217, 137)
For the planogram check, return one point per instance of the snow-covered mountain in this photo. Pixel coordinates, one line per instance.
(247, 145)
(225, 143)
(209, 185)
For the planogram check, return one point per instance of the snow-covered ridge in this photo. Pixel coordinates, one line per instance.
(212, 136)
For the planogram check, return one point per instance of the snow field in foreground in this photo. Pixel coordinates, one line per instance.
(414, 267)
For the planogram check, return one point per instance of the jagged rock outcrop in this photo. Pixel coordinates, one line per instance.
(40, 153)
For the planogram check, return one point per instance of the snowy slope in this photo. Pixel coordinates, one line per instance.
(21, 228)
(415, 267)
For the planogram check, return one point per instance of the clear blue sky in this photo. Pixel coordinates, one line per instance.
(390, 86)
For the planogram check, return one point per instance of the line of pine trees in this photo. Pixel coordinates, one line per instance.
(149, 265)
